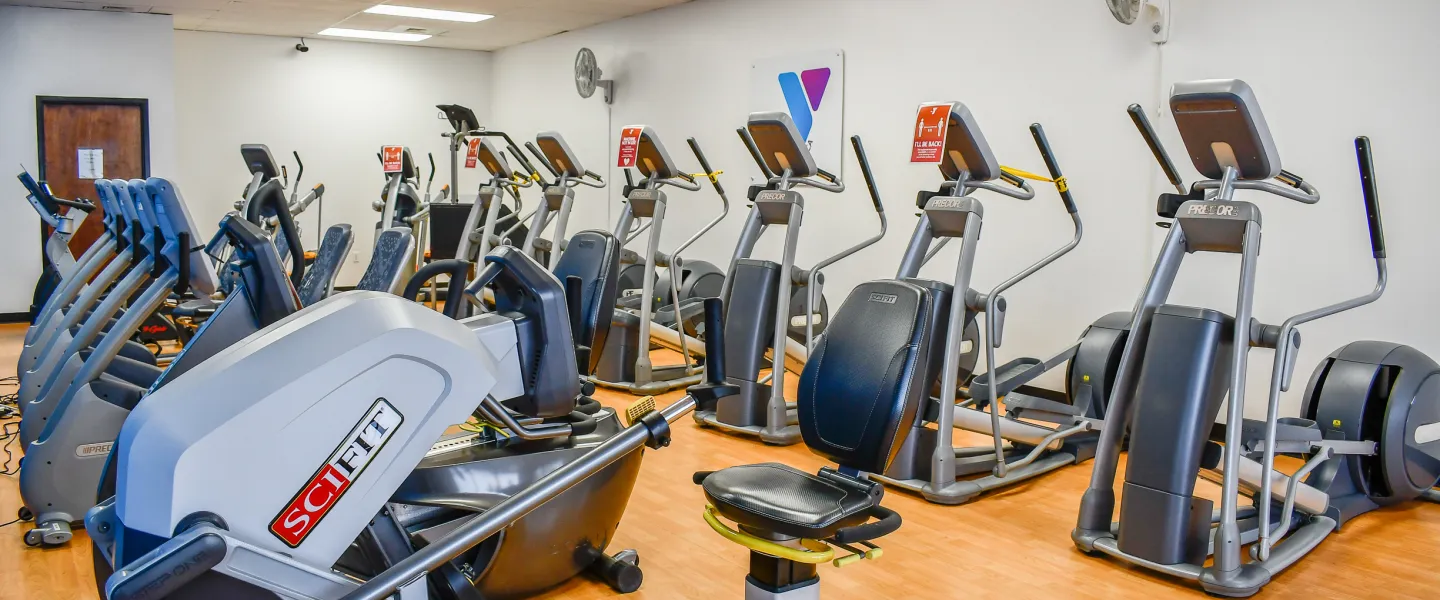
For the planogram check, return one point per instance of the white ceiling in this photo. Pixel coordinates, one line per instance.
(515, 22)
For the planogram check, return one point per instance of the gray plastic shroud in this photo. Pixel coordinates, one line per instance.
(1222, 126)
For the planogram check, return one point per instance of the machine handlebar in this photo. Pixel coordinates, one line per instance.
(1053, 166)
(865, 172)
(705, 165)
(1372, 196)
(1142, 123)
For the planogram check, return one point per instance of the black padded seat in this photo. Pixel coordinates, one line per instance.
(785, 500)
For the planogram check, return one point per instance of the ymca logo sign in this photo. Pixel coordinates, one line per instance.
(803, 94)
(810, 88)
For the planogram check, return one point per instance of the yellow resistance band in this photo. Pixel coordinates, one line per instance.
(1059, 182)
(814, 552)
(712, 176)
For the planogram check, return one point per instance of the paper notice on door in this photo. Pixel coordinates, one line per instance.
(90, 163)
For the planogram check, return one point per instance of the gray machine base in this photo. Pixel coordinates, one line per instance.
(808, 592)
(788, 435)
(660, 386)
(50, 533)
(965, 490)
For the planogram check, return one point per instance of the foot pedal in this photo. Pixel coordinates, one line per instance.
(638, 409)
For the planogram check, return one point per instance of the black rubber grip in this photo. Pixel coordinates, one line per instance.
(705, 165)
(458, 271)
(1290, 179)
(1372, 196)
(865, 172)
(319, 190)
(594, 175)
(826, 175)
(299, 166)
(157, 243)
(582, 423)
(1012, 179)
(888, 523)
(1041, 142)
(714, 341)
(687, 177)
(1142, 123)
(78, 204)
(754, 151)
(274, 197)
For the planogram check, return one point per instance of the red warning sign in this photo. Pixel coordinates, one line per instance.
(629, 145)
(472, 152)
(390, 158)
(930, 130)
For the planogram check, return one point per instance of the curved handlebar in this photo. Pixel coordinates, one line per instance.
(1051, 165)
(299, 168)
(1142, 123)
(81, 204)
(286, 221)
(431, 156)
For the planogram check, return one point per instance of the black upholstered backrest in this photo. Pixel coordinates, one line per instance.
(319, 279)
(388, 263)
(868, 375)
(594, 257)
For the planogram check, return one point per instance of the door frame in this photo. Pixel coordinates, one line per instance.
(143, 103)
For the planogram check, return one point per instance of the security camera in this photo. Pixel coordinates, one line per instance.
(301, 47)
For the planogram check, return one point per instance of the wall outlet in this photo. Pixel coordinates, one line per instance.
(355, 257)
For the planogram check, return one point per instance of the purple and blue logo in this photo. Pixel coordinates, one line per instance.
(803, 93)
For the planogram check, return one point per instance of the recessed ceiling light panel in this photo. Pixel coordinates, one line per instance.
(388, 36)
(427, 13)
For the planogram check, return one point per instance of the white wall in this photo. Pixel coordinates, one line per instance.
(686, 71)
(46, 52)
(1325, 72)
(335, 105)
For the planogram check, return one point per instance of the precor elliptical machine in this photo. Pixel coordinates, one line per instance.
(1024, 446)
(758, 293)
(625, 360)
(1369, 415)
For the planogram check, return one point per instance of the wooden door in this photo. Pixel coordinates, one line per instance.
(72, 130)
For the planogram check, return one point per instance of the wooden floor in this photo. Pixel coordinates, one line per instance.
(1011, 544)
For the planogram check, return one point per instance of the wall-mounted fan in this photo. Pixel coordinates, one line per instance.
(588, 76)
(1155, 13)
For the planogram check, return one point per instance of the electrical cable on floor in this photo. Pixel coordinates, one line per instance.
(8, 435)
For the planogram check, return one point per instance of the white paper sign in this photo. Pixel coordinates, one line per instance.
(91, 163)
(811, 87)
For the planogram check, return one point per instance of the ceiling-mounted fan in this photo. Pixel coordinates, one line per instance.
(588, 76)
(1155, 13)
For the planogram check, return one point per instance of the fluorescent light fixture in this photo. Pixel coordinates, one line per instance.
(426, 13)
(389, 36)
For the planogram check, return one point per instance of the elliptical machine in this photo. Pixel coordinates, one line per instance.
(625, 359)
(1370, 410)
(758, 298)
(1024, 446)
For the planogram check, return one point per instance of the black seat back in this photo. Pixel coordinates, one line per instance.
(388, 262)
(594, 257)
(319, 279)
(535, 300)
(869, 374)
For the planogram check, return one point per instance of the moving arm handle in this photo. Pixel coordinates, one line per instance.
(543, 161)
(1142, 123)
(456, 268)
(705, 166)
(888, 522)
(1053, 166)
(299, 168)
(79, 204)
(1372, 196)
(865, 172)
